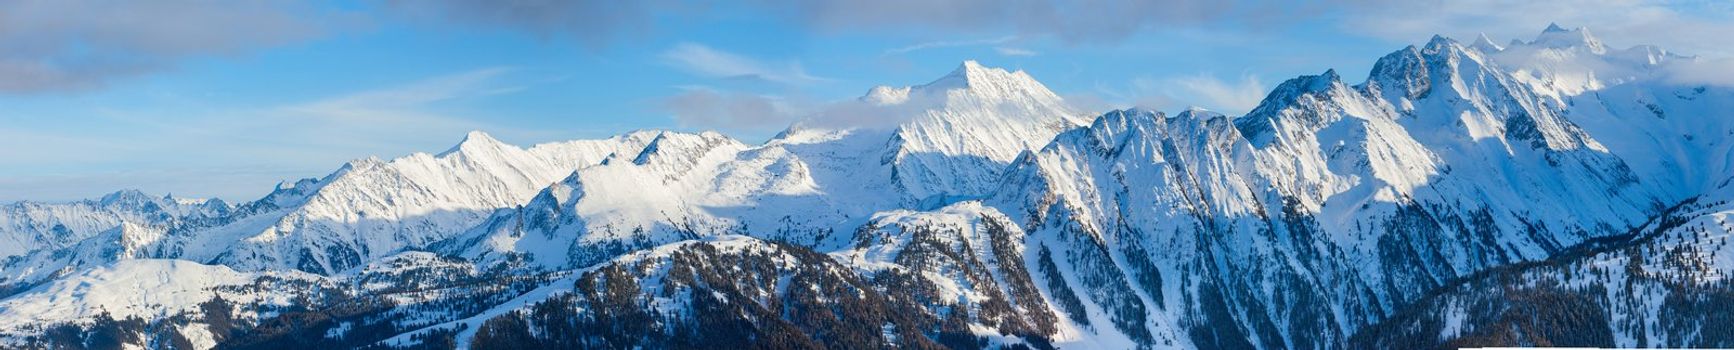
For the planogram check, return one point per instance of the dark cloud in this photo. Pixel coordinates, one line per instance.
(591, 22)
(62, 45)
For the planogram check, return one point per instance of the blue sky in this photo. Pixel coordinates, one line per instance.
(224, 99)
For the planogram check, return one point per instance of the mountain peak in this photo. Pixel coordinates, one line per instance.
(125, 196)
(1196, 112)
(479, 136)
(969, 65)
(886, 95)
(988, 81)
(1438, 40)
(970, 69)
(1553, 27)
(1556, 37)
(475, 140)
(1324, 81)
(1285, 95)
(1486, 45)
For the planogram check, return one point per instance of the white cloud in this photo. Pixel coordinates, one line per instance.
(1701, 72)
(238, 153)
(706, 61)
(1699, 28)
(1202, 90)
(708, 108)
(404, 102)
(1013, 51)
(946, 44)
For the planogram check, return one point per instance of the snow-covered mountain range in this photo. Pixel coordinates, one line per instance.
(1439, 203)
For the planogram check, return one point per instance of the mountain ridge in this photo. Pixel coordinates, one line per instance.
(991, 214)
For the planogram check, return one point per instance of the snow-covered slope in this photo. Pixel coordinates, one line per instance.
(135, 288)
(152, 289)
(1664, 286)
(979, 210)
(366, 210)
(928, 145)
(372, 208)
(27, 226)
(1331, 205)
(980, 119)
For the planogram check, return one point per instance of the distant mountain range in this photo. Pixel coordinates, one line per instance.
(1551, 192)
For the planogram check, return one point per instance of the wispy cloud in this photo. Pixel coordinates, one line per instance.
(946, 44)
(706, 61)
(1201, 90)
(1696, 27)
(238, 152)
(1013, 51)
(406, 102)
(1718, 71)
(1226, 96)
(704, 107)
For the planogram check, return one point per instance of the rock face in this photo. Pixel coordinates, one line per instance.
(1656, 287)
(32, 226)
(1552, 192)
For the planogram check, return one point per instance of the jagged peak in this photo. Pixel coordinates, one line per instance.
(1441, 45)
(673, 141)
(130, 233)
(215, 203)
(1396, 63)
(367, 163)
(1553, 27)
(1129, 115)
(1556, 37)
(975, 77)
(1486, 45)
(1330, 77)
(640, 134)
(1648, 55)
(478, 136)
(286, 185)
(1312, 83)
(971, 68)
(1115, 127)
(1195, 118)
(886, 95)
(1195, 112)
(1405, 70)
(1439, 41)
(475, 140)
(126, 196)
(655, 145)
(1286, 94)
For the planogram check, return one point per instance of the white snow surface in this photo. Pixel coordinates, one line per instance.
(145, 288)
(812, 184)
